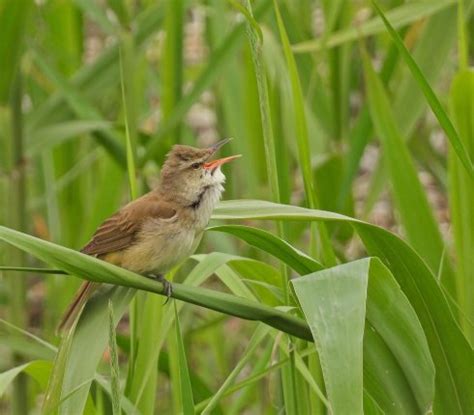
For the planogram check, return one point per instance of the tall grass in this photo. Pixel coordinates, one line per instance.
(347, 114)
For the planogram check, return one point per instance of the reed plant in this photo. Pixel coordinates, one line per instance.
(337, 275)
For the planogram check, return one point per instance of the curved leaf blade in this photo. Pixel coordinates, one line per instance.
(337, 322)
(266, 241)
(347, 295)
(451, 353)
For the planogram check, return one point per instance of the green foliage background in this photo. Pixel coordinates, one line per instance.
(296, 303)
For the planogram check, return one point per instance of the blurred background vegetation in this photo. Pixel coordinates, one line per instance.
(93, 93)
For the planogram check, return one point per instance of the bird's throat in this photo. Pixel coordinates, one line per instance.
(197, 203)
(201, 209)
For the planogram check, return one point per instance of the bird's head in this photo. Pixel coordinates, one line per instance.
(188, 171)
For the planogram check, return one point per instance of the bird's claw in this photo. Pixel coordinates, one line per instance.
(167, 286)
(167, 289)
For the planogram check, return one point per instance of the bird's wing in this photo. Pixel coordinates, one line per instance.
(120, 230)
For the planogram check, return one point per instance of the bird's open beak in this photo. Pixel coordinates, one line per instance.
(215, 147)
(212, 165)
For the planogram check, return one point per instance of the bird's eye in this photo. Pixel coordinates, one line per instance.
(196, 166)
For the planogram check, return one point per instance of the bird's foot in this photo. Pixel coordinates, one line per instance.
(167, 287)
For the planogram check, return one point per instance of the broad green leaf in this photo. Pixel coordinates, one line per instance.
(299, 261)
(449, 349)
(392, 317)
(347, 295)
(73, 184)
(371, 407)
(392, 394)
(337, 321)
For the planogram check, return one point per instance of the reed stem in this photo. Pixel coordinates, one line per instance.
(17, 220)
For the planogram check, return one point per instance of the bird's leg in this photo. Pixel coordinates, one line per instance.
(167, 287)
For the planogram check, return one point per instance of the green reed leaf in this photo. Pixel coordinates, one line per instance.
(430, 96)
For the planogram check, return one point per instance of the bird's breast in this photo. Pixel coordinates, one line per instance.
(164, 243)
(160, 247)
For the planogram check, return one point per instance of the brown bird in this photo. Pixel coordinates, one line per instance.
(157, 231)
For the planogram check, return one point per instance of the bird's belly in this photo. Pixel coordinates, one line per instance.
(159, 253)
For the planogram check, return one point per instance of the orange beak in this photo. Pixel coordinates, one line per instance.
(211, 165)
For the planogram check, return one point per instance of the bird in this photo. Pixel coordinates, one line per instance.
(159, 230)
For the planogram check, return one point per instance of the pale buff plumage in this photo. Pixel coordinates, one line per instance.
(163, 243)
(159, 230)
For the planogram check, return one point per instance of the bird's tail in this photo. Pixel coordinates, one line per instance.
(75, 308)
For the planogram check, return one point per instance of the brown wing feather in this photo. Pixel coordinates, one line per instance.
(120, 230)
